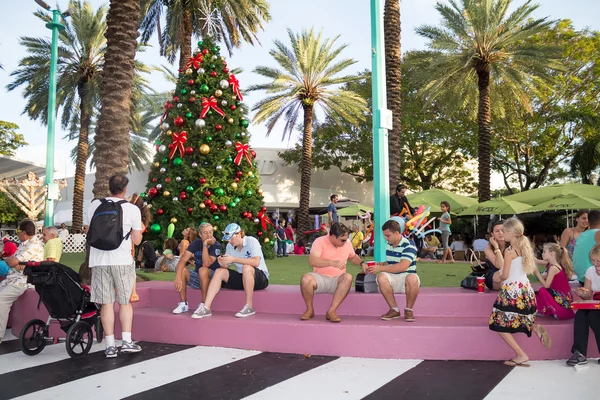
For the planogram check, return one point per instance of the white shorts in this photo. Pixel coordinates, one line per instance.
(326, 284)
(398, 281)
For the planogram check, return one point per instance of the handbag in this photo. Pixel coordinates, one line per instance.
(470, 282)
(477, 266)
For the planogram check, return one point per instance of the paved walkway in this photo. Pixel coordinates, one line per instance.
(192, 372)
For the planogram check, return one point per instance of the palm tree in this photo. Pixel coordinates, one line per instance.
(586, 160)
(228, 21)
(112, 136)
(481, 46)
(307, 79)
(80, 62)
(393, 80)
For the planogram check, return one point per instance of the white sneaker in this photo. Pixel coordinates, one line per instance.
(181, 308)
(202, 312)
(245, 312)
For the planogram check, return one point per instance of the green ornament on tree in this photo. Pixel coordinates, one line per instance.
(249, 193)
(189, 115)
(155, 228)
(216, 218)
(213, 66)
(200, 43)
(237, 199)
(204, 88)
(238, 103)
(219, 191)
(165, 160)
(232, 204)
(183, 91)
(229, 160)
(157, 142)
(244, 123)
(209, 139)
(177, 161)
(215, 49)
(189, 189)
(238, 135)
(143, 194)
(209, 112)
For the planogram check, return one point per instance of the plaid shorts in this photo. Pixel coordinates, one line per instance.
(194, 281)
(110, 281)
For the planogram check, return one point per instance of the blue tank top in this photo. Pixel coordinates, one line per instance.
(581, 253)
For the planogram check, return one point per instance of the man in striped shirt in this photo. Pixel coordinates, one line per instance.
(399, 273)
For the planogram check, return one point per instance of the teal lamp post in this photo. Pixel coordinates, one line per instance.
(52, 187)
(382, 120)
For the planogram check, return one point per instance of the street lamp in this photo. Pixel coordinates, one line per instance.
(382, 121)
(51, 186)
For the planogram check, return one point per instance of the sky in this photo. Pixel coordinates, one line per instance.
(350, 19)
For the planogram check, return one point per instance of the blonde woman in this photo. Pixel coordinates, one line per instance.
(515, 307)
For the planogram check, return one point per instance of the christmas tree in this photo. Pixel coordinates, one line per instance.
(204, 169)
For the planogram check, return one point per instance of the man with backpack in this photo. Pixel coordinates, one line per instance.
(114, 225)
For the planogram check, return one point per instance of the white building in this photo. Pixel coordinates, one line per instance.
(280, 184)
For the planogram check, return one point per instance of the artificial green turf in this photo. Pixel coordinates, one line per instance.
(289, 270)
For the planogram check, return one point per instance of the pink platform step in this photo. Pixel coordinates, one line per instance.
(451, 325)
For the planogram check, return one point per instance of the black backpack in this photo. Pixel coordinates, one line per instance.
(106, 226)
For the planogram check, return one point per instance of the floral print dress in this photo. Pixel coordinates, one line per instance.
(556, 300)
(515, 307)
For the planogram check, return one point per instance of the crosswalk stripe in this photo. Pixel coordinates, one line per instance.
(552, 380)
(238, 379)
(132, 379)
(345, 378)
(25, 381)
(9, 346)
(465, 380)
(16, 361)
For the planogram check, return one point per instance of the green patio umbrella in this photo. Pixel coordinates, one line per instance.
(433, 197)
(497, 206)
(566, 202)
(352, 211)
(543, 194)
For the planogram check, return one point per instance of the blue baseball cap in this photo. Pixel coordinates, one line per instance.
(231, 230)
(401, 221)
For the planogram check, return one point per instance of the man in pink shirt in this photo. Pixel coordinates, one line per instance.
(328, 257)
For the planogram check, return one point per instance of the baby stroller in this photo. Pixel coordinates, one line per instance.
(67, 302)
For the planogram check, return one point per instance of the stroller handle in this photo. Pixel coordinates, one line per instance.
(37, 263)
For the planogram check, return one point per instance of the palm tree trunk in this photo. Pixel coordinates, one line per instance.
(393, 77)
(185, 47)
(82, 156)
(484, 119)
(305, 173)
(112, 139)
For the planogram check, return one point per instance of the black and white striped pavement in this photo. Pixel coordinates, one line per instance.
(173, 372)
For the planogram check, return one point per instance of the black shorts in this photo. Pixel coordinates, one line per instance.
(236, 282)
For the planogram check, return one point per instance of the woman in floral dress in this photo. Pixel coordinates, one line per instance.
(515, 307)
(554, 297)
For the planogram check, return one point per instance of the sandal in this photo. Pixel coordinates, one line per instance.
(544, 337)
(513, 363)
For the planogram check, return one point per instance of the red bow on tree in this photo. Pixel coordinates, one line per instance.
(264, 220)
(179, 140)
(168, 105)
(235, 86)
(242, 150)
(207, 104)
(194, 61)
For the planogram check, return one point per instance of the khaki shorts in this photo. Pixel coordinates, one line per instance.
(108, 278)
(326, 284)
(398, 281)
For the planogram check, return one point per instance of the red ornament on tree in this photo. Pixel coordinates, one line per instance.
(253, 153)
(205, 51)
(236, 179)
(224, 62)
(202, 181)
(245, 214)
(189, 150)
(178, 121)
(183, 196)
(152, 192)
(192, 99)
(207, 193)
(214, 208)
(213, 74)
(208, 202)
(218, 127)
(226, 70)
(190, 82)
(190, 209)
(154, 180)
(249, 215)
(175, 99)
(223, 207)
(167, 180)
(259, 233)
(239, 174)
(160, 211)
(263, 209)
(233, 107)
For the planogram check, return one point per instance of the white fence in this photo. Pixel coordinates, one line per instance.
(75, 243)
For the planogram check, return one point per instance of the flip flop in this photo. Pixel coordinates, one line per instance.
(303, 318)
(545, 337)
(512, 363)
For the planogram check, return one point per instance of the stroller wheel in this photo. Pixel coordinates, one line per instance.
(32, 339)
(99, 330)
(79, 339)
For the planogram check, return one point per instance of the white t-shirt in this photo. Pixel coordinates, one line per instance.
(132, 219)
(457, 245)
(480, 244)
(591, 274)
(250, 248)
(63, 234)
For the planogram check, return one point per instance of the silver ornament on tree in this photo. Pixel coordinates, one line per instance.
(219, 168)
(256, 220)
(193, 92)
(243, 134)
(162, 148)
(200, 123)
(224, 103)
(213, 58)
(228, 143)
(175, 199)
(164, 126)
(163, 170)
(194, 165)
(224, 84)
(159, 186)
(178, 179)
(179, 105)
(201, 71)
